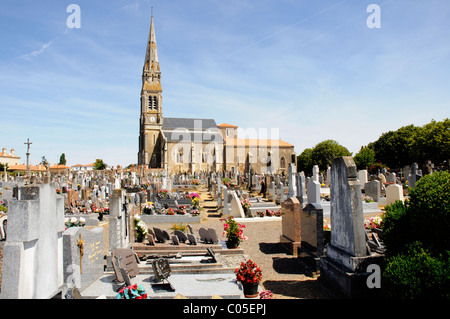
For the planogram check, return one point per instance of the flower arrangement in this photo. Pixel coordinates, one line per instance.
(260, 213)
(140, 228)
(135, 291)
(195, 201)
(326, 227)
(373, 222)
(195, 182)
(195, 212)
(266, 294)
(245, 203)
(234, 232)
(147, 209)
(248, 273)
(226, 181)
(162, 193)
(181, 209)
(58, 191)
(170, 211)
(74, 222)
(367, 199)
(179, 227)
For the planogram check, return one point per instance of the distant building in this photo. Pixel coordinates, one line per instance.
(10, 159)
(196, 144)
(80, 167)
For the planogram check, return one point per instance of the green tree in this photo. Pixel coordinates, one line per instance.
(324, 153)
(365, 157)
(432, 142)
(394, 147)
(304, 161)
(62, 159)
(99, 164)
(44, 161)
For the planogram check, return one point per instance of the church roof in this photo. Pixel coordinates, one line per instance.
(189, 123)
(191, 130)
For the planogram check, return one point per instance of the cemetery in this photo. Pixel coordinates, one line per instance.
(93, 234)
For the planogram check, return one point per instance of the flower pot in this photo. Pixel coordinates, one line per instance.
(250, 290)
(232, 244)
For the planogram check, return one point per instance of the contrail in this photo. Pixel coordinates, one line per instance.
(289, 27)
(43, 48)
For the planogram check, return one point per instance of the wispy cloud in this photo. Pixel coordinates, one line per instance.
(43, 48)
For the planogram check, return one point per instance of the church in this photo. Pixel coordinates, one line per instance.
(189, 145)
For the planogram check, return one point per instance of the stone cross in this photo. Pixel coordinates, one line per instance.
(28, 143)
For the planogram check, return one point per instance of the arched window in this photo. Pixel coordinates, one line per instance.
(150, 103)
(282, 162)
(155, 103)
(179, 156)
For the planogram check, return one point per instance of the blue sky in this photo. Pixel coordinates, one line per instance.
(312, 69)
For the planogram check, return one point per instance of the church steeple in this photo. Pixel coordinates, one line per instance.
(151, 119)
(151, 74)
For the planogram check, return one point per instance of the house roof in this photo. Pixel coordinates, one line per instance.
(23, 167)
(227, 125)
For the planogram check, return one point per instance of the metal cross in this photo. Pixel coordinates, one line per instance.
(80, 244)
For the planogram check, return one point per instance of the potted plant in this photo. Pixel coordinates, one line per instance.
(140, 229)
(234, 232)
(148, 208)
(245, 203)
(249, 274)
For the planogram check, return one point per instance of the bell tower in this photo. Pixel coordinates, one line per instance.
(151, 119)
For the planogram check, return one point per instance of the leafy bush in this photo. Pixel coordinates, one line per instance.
(429, 210)
(396, 227)
(418, 246)
(417, 274)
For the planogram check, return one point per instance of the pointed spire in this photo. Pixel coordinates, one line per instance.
(151, 72)
(151, 56)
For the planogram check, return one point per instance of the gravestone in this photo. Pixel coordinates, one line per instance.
(272, 191)
(226, 199)
(414, 175)
(313, 191)
(312, 240)
(33, 252)
(394, 192)
(280, 193)
(372, 189)
(301, 190)
(83, 256)
(311, 218)
(344, 266)
(119, 235)
(291, 233)
(391, 178)
(236, 207)
(126, 259)
(292, 170)
(363, 178)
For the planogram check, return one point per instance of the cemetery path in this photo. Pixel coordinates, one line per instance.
(282, 273)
